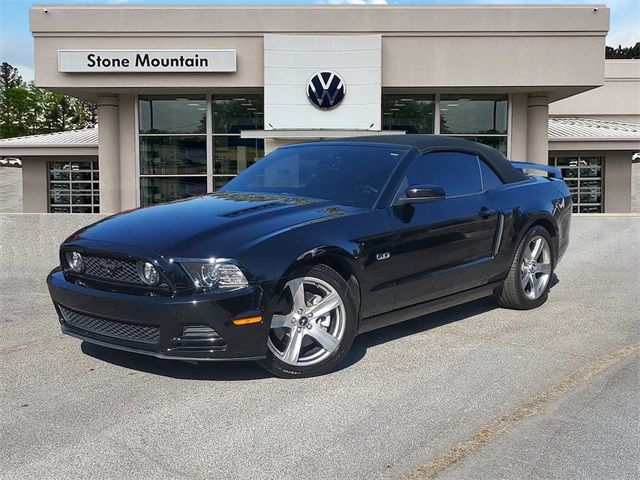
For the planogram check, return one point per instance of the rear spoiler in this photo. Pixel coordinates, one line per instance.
(554, 172)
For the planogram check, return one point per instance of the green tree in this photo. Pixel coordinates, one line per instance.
(27, 110)
(19, 117)
(623, 52)
(86, 113)
(9, 77)
(56, 111)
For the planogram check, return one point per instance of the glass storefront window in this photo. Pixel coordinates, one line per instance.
(175, 141)
(234, 113)
(220, 181)
(165, 189)
(232, 155)
(583, 176)
(74, 187)
(473, 114)
(172, 143)
(165, 115)
(173, 155)
(411, 113)
(480, 118)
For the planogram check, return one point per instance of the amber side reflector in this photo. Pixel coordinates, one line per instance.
(247, 321)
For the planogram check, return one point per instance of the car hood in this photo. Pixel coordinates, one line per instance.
(213, 225)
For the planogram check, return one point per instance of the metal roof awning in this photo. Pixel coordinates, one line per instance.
(308, 135)
(573, 133)
(73, 142)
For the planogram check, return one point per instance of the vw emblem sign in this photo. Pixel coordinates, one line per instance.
(326, 89)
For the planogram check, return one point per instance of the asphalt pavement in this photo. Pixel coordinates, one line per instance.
(472, 392)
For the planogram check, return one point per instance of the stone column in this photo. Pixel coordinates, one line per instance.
(128, 146)
(34, 185)
(617, 182)
(109, 153)
(538, 129)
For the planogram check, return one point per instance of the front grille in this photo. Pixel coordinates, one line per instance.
(110, 328)
(111, 268)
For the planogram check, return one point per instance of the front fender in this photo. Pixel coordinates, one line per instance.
(344, 243)
(539, 218)
(330, 253)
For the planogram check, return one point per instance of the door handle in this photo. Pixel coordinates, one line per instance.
(487, 212)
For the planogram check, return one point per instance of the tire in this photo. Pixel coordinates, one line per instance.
(526, 286)
(302, 343)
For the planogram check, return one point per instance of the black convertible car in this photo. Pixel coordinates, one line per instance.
(312, 245)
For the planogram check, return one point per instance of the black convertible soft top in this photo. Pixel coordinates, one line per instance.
(503, 168)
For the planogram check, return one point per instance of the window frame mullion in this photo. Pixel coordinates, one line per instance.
(209, 142)
(436, 114)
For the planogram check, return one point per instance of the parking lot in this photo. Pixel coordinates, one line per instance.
(472, 392)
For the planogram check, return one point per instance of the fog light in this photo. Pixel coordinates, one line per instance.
(74, 259)
(148, 273)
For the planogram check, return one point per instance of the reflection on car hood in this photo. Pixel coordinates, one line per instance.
(211, 225)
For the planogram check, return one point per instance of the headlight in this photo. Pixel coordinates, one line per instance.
(74, 260)
(216, 274)
(148, 273)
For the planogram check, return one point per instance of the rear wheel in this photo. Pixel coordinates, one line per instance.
(527, 284)
(313, 324)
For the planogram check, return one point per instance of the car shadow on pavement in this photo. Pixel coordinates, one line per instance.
(421, 324)
(416, 325)
(242, 371)
(213, 371)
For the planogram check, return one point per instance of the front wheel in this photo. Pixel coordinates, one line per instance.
(527, 284)
(313, 324)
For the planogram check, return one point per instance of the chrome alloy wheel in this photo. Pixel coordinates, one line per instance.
(314, 326)
(535, 269)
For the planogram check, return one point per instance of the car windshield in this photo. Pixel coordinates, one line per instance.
(349, 175)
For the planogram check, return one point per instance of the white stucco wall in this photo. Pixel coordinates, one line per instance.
(291, 60)
(617, 100)
(525, 51)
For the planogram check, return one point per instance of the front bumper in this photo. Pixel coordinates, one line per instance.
(194, 327)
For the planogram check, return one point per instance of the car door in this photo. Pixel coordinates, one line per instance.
(442, 246)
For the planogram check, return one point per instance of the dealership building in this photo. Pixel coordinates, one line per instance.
(189, 96)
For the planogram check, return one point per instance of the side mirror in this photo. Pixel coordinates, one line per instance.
(423, 193)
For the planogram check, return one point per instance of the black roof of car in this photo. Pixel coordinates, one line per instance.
(507, 172)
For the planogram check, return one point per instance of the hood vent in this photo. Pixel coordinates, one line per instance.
(250, 210)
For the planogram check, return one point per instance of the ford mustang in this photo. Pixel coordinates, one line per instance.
(313, 245)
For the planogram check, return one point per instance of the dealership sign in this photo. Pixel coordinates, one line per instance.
(150, 61)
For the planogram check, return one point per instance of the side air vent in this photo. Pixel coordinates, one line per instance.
(197, 338)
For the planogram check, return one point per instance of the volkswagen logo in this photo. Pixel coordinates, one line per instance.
(326, 89)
